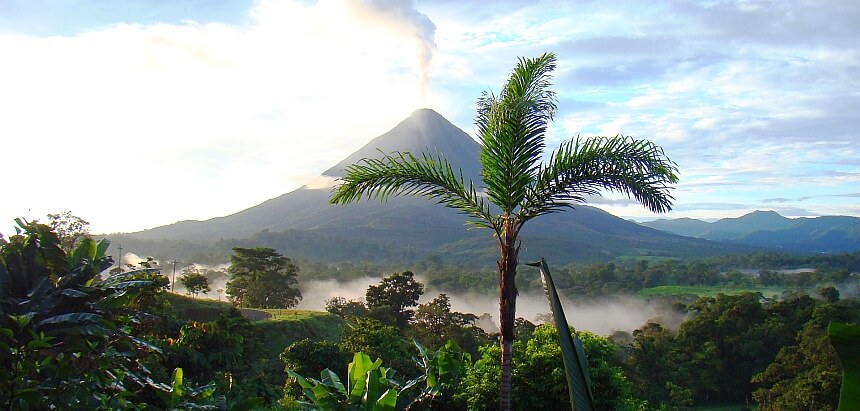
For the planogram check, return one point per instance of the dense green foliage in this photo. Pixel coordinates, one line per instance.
(806, 373)
(371, 387)
(66, 335)
(539, 378)
(435, 324)
(71, 337)
(262, 278)
(380, 341)
(742, 348)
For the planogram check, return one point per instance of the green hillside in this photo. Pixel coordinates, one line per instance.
(280, 326)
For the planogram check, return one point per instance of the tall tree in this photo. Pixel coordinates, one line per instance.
(193, 281)
(511, 129)
(69, 228)
(260, 277)
(394, 296)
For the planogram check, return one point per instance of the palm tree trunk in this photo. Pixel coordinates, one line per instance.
(507, 307)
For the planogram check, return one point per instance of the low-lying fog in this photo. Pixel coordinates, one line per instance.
(601, 317)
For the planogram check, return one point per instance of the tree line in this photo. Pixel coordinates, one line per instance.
(741, 349)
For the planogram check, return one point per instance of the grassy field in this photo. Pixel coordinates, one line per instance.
(196, 309)
(705, 291)
(289, 326)
(279, 327)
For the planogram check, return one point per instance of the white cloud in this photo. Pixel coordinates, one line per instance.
(218, 116)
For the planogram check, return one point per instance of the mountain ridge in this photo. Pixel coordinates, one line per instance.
(769, 229)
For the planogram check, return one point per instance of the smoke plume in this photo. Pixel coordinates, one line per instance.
(401, 16)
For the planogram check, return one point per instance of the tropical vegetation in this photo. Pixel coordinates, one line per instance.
(87, 341)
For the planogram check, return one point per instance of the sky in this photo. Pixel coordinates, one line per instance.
(135, 114)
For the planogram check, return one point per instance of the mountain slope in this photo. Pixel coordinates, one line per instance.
(828, 234)
(407, 227)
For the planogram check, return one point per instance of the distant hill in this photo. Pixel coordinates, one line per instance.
(768, 229)
(302, 223)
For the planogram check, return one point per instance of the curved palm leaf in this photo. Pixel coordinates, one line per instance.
(572, 352)
(581, 167)
(511, 128)
(404, 174)
(845, 339)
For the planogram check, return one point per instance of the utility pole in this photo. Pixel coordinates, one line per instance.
(119, 260)
(173, 281)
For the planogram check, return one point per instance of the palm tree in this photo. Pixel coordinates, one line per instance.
(512, 128)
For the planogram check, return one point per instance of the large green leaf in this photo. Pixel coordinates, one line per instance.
(387, 402)
(573, 354)
(176, 387)
(846, 341)
(331, 379)
(374, 389)
(72, 318)
(357, 373)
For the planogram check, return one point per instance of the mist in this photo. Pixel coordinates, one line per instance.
(315, 293)
(215, 283)
(602, 317)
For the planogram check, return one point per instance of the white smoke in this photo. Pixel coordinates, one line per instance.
(133, 259)
(315, 293)
(321, 182)
(401, 17)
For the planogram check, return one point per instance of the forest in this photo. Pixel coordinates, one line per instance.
(77, 337)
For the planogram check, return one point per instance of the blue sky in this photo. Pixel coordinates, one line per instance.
(134, 114)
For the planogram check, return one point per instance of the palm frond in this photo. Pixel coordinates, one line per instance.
(572, 352)
(511, 127)
(403, 174)
(587, 166)
(845, 339)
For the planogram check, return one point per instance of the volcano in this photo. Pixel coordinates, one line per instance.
(302, 223)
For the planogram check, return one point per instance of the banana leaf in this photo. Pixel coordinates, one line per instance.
(845, 339)
(573, 354)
